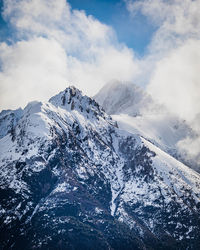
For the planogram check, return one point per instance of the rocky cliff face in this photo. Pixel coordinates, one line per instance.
(71, 179)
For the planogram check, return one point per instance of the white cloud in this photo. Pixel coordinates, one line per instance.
(31, 70)
(173, 62)
(176, 81)
(173, 58)
(176, 21)
(189, 147)
(108, 64)
(85, 52)
(75, 31)
(58, 47)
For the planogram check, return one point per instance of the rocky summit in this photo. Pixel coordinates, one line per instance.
(71, 179)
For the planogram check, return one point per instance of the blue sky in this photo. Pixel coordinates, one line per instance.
(135, 32)
(3, 29)
(7, 33)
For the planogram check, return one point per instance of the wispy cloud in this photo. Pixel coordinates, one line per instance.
(176, 21)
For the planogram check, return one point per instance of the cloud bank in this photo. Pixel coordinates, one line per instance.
(56, 46)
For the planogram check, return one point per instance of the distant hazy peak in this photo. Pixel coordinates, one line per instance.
(124, 97)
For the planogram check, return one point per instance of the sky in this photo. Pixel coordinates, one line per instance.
(47, 45)
(116, 14)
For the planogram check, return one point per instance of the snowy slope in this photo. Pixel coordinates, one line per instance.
(135, 111)
(8, 119)
(164, 130)
(71, 179)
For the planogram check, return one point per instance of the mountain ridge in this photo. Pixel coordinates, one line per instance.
(70, 178)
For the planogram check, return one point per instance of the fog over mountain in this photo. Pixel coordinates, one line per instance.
(139, 112)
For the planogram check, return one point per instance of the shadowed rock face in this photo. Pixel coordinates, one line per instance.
(70, 179)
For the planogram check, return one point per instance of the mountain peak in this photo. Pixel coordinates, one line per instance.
(65, 97)
(70, 179)
(124, 97)
(72, 99)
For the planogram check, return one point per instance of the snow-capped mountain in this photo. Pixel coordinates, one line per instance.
(71, 179)
(137, 112)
